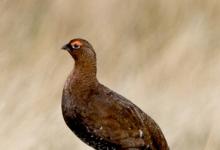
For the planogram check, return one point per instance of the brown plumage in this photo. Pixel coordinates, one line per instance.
(99, 116)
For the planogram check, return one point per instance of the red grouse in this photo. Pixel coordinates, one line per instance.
(99, 116)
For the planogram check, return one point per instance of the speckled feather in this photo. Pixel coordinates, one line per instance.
(99, 116)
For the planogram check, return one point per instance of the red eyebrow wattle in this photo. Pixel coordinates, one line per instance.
(77, 43)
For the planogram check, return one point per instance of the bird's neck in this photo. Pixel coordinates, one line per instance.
(84, 74)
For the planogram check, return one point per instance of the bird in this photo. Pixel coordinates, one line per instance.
(100, 117)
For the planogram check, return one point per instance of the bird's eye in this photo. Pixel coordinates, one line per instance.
(76, 46)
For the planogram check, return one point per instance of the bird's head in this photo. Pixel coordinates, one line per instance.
(80, 50)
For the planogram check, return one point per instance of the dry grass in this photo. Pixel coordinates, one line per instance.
(163, 55)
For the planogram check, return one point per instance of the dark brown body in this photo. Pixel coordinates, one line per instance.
(104, 119)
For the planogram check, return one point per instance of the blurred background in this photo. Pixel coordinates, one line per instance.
(162, 55)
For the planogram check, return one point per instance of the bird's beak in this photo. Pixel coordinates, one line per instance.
(66, 47)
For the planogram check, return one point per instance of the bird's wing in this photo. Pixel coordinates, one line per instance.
(119, 121)
(148, 128)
